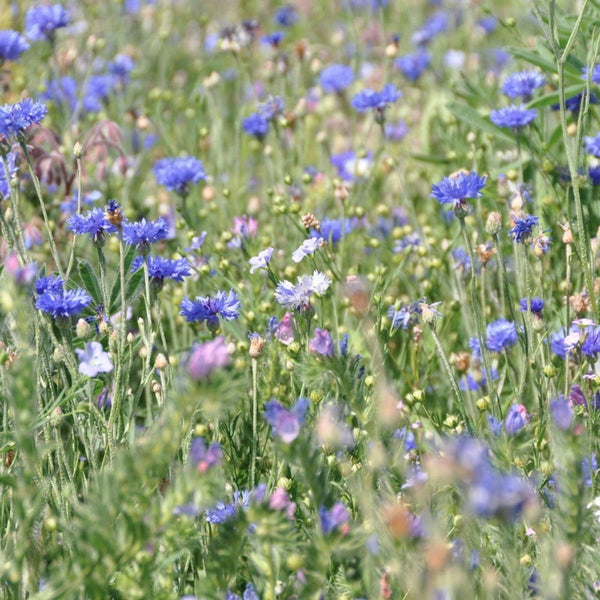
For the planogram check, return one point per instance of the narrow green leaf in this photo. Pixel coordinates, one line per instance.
(89, 279)
(476, 119)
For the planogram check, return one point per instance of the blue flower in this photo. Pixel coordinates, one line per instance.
(591, 345)
(121, 67)
(516, 419)
(220, 513)
(336, 78)
(286, 423)
(513, 116)
(285, 16)
(261, 261)
(406, 316)
(273, 39)
(378, 101)
(350, 167)
(272, 107)
(209, 309)
(63, 303)
(203, 457)
(523, 84)
(93, 360)
(307, 248)
(333, 230)
(143, 233)
(10, 161)
(12, 45)
(500, 334)
(413, 65)
(99, 88)
(436, 24)
(334, 518)
(62, 91)
(176, 174)
(396, 131)
(42, 21)
(15, 119)
(457, 188)
(321, 343)
(595, 77)
(536, 304)
(160, 268)
(574, 102)
(256, 125)
(521, 232)
(53, 283)
(562, 413)
(250, 593)
(594, 173)
(93, 223)
(592, 145)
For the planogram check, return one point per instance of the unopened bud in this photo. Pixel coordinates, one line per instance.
(77, 150)
(82, 329)
(493, 224)
(160, 362)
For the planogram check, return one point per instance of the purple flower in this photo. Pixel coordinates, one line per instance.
(457, 188)
(205, 358)
(562, 413)
(516, 419)
(93, 223)
(321, 343)
(500, 334)
(209, 309)
(591, 344)
(404, 317)
(160, 268)
(256, 125)
(12, 45)
(15, 119)
(177, 174)
(99, 88)
(121, 67)
(523, 84)
(307, 248)
(42, 21)
(514, 117)
(413, 65)
(203, 457)
(521, 231)
(436, 24)
(280, 500)
(273, 107)
(336, 78)
(284, 331)
(334, 518)
(273, 39)
(93, 360)
(396, 131)
(286, 423)
(536, 305)
(220, 513)
(143, 233)
(261, 261)
(53, 283)
(333, 230)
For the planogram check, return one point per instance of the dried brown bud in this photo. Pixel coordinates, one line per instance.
(461, 361)
(580, 302)
(567, 237)
(485, 252)
(256, 347)
(311, 222)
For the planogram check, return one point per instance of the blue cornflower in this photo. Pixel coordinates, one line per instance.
(334, 518)
(286, 16)
(521, 232)
(500, 334)
(11, 167)
(220, 513)
(595, 77)
(63, 303)
(209, 309)
(457, 188)
(406, 316)
(514, 117)
(273, 39)
(436, 24)
(592, 145)
(12, 45)
(273, 107)
(52, 283)
(396, 131)
(160, 269)
(42, 21)
(143, 233)
(298, 296)
(336, 78)
(333, 230)
(257, 125)
(15, 119)
(591, 344)
(536, 303)
(99, 88)
(286, 423)
(378, 101)
(523, 84)
(93, 223)
(413, 65)
(250, 593)
(177, 174)
(121, 67)
(61, 91)
(574, 102)
(475, 347)
(594, 174)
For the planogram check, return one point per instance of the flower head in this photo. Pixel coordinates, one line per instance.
(514, 117)
(298, 296)
(205, 358)
(11, 166)
(351, 167)
(307, 248)
(177, 174)
(413, 65)
(521, 231)
(336, 78)
(457, 188)
(15, 119)
(12, 45)
(160, 268)
(535, 304)
(143, 233)
(203, 457)
(93, 223)
(209, 309)
(261, 261)
(500, 334)
(285, 16)
(522, 84)
(595, 76)
(63, 303)
(286, 423)
(516, 419)
(93, 360)
(257, 125)
(562, 412)
(592, 145)
(378, 101)
(334, 518)
(42, 21)
(321, 343)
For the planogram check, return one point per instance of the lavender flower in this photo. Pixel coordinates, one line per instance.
(205, 358)
(514, 117)
(11, 167)
(536, 305)
(93, 223)
(595, 76)
(177, 174)
(307, 248)
(12, 45)
(334, 518)
(321, 343)
(336, 78)
(220, 513)
(592, 145)
(351, 167)
(42, 21)
(209, 309)
(203, 457)
(404, 317)
(93, 360)
(261, 261)
(15, 119)
(500, 334)
(286, 423)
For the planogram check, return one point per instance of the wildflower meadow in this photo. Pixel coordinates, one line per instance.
(299, 300)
